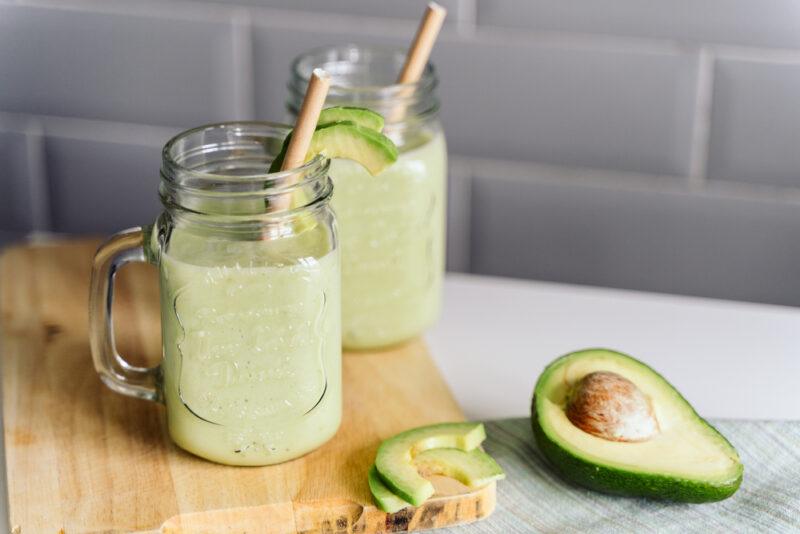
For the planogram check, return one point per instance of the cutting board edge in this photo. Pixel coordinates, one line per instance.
(314, 516)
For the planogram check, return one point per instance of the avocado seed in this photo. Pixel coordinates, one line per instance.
(611, 407)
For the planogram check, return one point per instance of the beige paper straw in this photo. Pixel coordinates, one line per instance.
(304, 129)
(307, 118)
(418, 54)
(420, 51)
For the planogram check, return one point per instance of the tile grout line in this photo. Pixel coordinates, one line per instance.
(94, 129)
(701, 125)
(614, 179)
(765, 54)
(469, 253)
(467, 193)
(38, 184)
(459, 238)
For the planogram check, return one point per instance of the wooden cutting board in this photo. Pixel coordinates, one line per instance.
(84, 459)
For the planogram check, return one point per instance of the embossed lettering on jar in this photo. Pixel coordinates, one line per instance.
(392, 225)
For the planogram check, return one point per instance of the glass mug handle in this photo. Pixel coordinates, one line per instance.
(141, 382)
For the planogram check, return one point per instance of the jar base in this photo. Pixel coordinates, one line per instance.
(253, 461)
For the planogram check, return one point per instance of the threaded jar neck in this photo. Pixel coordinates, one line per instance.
(221, 171)
(364, 76)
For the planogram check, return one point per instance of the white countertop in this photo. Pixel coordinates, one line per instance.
(729, 359)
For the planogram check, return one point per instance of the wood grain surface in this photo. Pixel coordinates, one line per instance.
(84, 459)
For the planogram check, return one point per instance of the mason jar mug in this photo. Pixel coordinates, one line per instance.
(392, 225)
(250, 299)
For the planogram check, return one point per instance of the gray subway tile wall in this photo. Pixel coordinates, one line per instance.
(81, 169)
(16, 201)
(275, 46)
(573, 109)
(612, 87)
(112, 66)
(404, 9)
(104, 176)
(670, 241)
(771, 23)
(568, 105)
(756, 122)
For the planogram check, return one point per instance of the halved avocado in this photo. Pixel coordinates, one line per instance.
(474, 469)
(348, 140)
(610, 423)
(395, 458)
(361, 116)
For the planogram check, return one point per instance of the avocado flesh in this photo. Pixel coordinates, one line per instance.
(687, 460)
(474, 469)
(395, 458)
(361, 116)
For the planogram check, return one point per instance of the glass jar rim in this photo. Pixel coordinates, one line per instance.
(221, 169)
(171, 167)
(303, 72)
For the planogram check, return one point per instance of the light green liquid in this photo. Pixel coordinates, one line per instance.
(392, 239)
(252, 350)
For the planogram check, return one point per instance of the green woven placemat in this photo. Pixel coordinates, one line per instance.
(533, 499)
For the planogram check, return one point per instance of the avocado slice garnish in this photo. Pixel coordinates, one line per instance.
(394, 461)
(348, 133)
(361, 116)
(608, 422)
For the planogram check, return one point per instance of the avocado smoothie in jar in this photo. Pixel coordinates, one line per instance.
(250, 299)
(392, 225)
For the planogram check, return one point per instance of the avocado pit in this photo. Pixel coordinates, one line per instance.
(610, 406)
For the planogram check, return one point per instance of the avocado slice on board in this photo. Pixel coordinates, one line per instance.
(474, 469)
(610, 423)
(383, 496)
(395, 458)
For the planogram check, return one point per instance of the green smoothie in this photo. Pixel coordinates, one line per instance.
(392, 229)
(252, 359)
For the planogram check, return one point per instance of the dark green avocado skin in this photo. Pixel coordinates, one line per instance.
(620, 482)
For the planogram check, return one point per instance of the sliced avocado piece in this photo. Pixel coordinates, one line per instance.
(394, 460)
(361, 116)
(474, 469)
(384, 498)
(610, 423)
(277, 163)
(348, 140)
